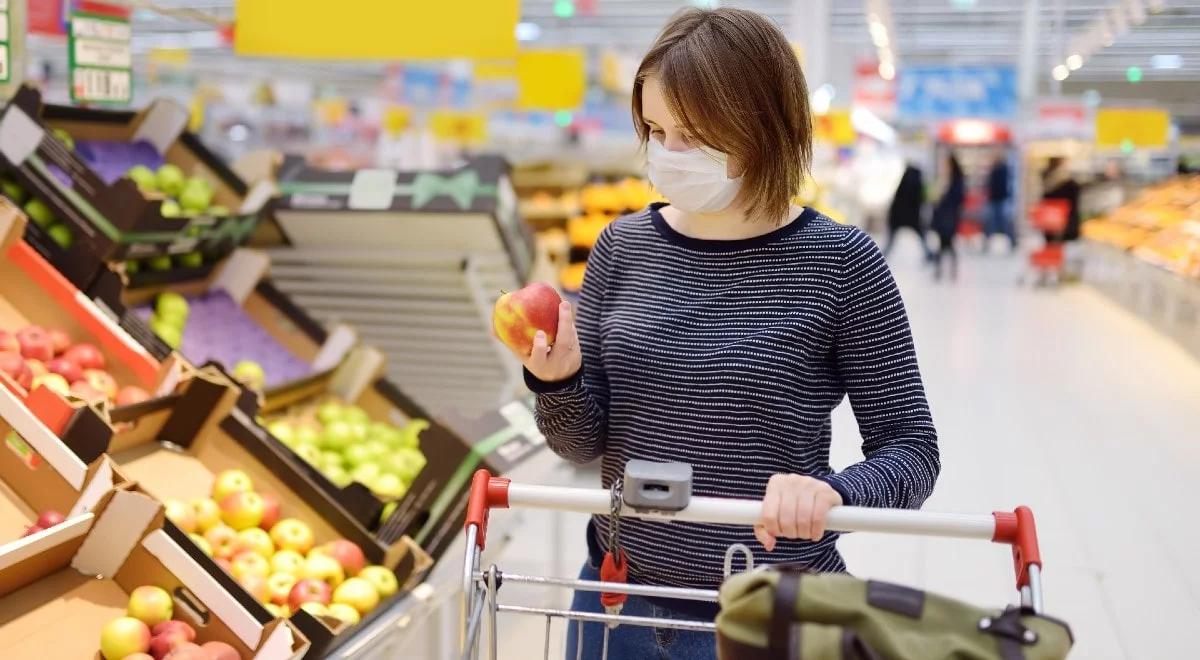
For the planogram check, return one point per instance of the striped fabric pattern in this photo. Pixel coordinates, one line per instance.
(730, 356)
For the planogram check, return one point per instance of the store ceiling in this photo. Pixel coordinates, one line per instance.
(926, 31)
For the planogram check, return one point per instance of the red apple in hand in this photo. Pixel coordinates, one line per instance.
(518, 316)
(15, 366)
(65, 368)
(131, 394)
(86, 356)
(35, 343)
(60, 341)
(9, 343)
(102, 381)
(309, 590)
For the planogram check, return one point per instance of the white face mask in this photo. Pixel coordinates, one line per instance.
(694, 180)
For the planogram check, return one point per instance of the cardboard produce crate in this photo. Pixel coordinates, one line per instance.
(60, 586)
(236, 313)
(179, 443)
(33, 292)
(108, 216)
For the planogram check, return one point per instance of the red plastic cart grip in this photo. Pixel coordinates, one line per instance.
(1017, 528)
(486, 492)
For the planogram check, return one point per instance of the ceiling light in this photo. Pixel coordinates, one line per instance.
(1060, 72)
(964, 4)
(879, 34)
(528, 31)
(887, 70)
(1167, 61)
(1074, 61)
(821, 98)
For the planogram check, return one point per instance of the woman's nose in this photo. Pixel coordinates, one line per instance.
(676, 143)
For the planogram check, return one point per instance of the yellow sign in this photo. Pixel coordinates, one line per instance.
(170, 56)
(835, 127)
(496, 70)
(396, 119)
(550, 79)
(377, 29)
(1138, 128)
(463, 127)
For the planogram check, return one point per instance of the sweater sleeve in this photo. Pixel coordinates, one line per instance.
(877, 363)
(573, 414)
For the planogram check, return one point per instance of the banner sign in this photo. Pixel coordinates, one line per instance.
(949, 92)
(100, 59)
(1148, 128)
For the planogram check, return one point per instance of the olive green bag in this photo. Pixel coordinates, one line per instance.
(786, 614)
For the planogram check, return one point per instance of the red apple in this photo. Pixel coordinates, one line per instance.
(131, 394)
(65, 368)
(35, 343)
(31, 530)
(180, 513)
(347, 553)
(292, 534)
(256, 586)
(167, 626)
(139, 656)
(60, 341)
(320, 566)
(9, 343)
(242, 510)
(248, 563)
(223, 540)
(86, 356)
(270, 511)
(15, 366)
(279, 586)
(84, 390)
(53, 382)
(150, 605)
(101, 380)
(163, 643)
(309, 590)
(518, 316)
(220, 651)
(50, 518)
(123, 637)
(188, 651)
(224, 564)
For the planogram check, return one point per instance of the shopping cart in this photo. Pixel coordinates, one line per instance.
(660, 499)
(1049, 216)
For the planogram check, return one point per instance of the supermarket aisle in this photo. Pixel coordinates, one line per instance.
(1055, 399)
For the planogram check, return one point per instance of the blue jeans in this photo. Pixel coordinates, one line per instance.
(999, 221)
(628, 642)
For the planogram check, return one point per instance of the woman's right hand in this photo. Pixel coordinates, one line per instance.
(560, 361)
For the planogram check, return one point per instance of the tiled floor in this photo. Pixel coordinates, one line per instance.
(1052, 398)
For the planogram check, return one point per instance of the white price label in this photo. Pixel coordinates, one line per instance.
(112, 54)
(91, 28)
(101, 85)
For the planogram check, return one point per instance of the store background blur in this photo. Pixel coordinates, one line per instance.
(1052, 274)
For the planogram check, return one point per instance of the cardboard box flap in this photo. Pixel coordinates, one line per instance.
(241, 273)
(280, 642)
(336, 346)
(361, 367)
(102, 477)
(34, 432)
(162, 124)
(205, 588)
(20, 135)
(118, 530)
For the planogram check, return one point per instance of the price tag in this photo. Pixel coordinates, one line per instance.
(100, 59)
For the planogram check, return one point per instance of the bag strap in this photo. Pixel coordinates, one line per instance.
(780, 635)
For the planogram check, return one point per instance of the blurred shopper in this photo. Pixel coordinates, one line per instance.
(947, 214)
(905, 211)
(999, 215)
(1059, 183)
(722, 329)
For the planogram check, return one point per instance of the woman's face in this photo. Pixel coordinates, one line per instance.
(664, 129)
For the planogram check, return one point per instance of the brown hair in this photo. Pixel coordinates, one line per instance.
(733, 82)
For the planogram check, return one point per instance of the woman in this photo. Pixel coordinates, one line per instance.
(722, 329)
(946, 215)
(905, 210)
(1059, 183)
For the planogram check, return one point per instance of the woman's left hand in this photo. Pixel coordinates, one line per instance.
(794, 507)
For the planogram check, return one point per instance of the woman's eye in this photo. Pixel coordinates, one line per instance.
(656, 132)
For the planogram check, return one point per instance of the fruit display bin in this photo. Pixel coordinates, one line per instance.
(233, 314)
(86, 188)
(179, 445)
(414, 260)
(41, 480)
(78, 576)
(33, 292)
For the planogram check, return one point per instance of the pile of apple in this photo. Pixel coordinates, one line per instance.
(147, 632)
(276, 560)
(345, 445)
(35, 356)
(38, 213)
(170, 316)
(185, 196)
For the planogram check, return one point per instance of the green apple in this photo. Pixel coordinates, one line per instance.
(389, 485)
(357, 455)
(310, 454)
(330, 459)
(410, 435)
(307, 435)
(337, 475)
(132, 267)
(354, 414)
(329, 412)
(366, 473)
(39, 213)
(338, 436)
(405, 463)
(170, 306)
(388, 510)
(143, 177)
(359, 430)
(13, 191)
(381, 578)
(382, 432)
(191, 260)
(171, 209)
(64, 137)
(160, 263)
(59, 233)
(170, 179)
(357, 593)
(171, 334)
(196, 197)
(218, 211)
(283, 432)
(251, 373)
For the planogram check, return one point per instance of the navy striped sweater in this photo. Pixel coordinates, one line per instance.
(730, 355)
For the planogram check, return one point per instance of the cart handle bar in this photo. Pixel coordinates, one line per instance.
(1014, 528)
